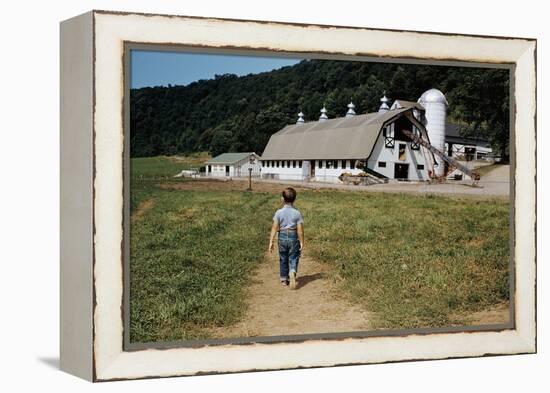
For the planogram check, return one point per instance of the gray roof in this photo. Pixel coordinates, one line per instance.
(342, 138)
(407, 104)
(229, 158)
(452, 135)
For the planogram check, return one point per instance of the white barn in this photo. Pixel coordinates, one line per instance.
(233, 165)
(465, 148)
(322, 150)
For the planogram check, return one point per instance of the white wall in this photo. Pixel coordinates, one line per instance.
(323, 174)
(238, 169)
(218, 170)
(459, 150)
(330, 175)
(391, 156)
(287, 173)
(241, 168)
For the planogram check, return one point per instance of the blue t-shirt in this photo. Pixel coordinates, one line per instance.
(288, 217)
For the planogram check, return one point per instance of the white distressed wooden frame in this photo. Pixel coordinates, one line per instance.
(92, 88)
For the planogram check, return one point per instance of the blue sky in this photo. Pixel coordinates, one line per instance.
(150, 68)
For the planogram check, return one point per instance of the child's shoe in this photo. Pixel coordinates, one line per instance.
(293, 280)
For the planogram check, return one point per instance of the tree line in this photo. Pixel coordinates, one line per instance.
(232, 113)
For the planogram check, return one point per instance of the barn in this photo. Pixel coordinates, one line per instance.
(379, 143)
(466, 148)
(322, 150)
(233, 165)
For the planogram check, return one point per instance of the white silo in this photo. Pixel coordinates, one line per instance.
(435, 104)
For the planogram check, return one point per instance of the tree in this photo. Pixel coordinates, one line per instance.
(220, 142)
(241, 113)
(480, 101)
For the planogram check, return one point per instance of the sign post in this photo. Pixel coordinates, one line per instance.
(252, 161)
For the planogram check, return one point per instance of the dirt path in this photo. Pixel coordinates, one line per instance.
(497, 314)
(142, 209)
(314, 307)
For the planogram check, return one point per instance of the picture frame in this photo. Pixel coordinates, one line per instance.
(93, 156)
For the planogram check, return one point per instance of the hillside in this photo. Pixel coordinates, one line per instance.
(231, 113)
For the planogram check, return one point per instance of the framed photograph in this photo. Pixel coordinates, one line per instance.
(248, 195)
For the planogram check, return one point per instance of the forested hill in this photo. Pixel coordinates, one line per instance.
(231, 113)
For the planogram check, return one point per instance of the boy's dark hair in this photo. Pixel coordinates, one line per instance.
(289, 194)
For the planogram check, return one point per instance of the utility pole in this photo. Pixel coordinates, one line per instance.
(251, 161)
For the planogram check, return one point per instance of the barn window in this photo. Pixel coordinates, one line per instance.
(351, 164)
(263, 164)
(320, 164)
(294, 164)
(382, 164)
(283, 164)
(278, 164)
(299, 164)
(420, 166)
(470, 153)
(335, 164)
(402, 148)
(388, 137)
(402, 124)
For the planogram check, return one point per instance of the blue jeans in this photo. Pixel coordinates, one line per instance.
(289, 253)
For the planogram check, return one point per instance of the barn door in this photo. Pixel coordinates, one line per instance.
(401, 171)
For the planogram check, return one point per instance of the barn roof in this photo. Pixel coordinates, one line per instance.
(341, 138)
(229, 158)
(452, 135)
(406, 104)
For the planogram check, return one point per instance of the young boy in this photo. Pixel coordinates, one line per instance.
(288, 222)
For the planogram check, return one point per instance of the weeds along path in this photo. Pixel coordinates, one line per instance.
(314, 307)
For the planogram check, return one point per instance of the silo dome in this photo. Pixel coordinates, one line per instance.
(433, 96)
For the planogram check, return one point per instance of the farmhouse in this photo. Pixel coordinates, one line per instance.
(375, 142)
(233, 165)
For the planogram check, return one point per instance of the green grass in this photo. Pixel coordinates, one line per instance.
(147, 171)
(164, 167)
(412, 260)
(416, 261)
(190, 256)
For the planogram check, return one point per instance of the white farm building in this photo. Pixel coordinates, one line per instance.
(233, 165)
(322, 150)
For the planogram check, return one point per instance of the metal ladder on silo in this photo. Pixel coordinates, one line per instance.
(449, 160)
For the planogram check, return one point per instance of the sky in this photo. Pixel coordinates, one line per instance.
(155, 68)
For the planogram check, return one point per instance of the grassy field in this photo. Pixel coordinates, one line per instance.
(162, 167)
(414, 261)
